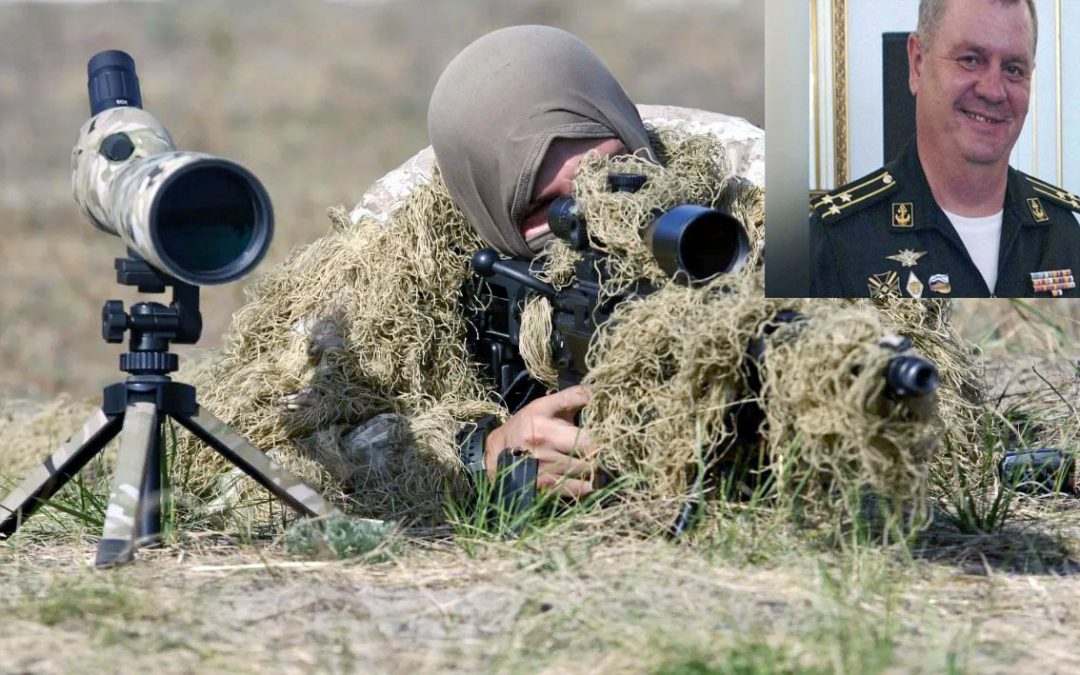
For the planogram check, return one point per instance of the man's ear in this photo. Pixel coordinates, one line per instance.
(915, 63)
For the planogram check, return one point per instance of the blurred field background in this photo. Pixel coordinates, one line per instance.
(317, 98)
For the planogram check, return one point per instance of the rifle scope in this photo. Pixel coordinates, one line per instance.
(192, 216)
(693, 240)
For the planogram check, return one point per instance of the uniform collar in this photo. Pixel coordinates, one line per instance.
(1018, 209)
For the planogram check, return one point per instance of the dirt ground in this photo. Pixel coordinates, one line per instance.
(208, 605)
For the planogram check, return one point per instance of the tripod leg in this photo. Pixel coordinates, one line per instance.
(47, 479)
(271, 475)
(148, 531)
(121, 517)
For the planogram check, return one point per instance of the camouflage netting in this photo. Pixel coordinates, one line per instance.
(665, 392)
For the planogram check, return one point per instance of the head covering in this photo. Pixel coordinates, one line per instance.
(498, 106)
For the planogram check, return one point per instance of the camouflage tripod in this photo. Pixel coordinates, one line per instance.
(136, 409)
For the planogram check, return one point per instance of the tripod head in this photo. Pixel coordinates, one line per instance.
(153, 325)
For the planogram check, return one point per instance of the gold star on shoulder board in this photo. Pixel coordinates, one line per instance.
(907, 257)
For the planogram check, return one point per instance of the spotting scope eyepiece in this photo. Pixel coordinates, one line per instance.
(192, 216)
(112, 81)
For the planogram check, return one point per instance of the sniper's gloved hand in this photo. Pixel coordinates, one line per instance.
(323, 337)
(546, 429)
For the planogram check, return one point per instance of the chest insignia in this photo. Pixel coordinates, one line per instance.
(907, 257)
(1054, 282)
(1037, 211)
(939, 283)
(902, 214)
(884, 286)
(914, 285)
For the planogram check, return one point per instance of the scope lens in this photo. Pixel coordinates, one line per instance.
(698, 241)
(711, 245)
(212, 223)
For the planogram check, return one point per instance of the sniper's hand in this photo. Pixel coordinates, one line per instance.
(546, 429)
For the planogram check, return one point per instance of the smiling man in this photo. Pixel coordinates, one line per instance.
(950, 217)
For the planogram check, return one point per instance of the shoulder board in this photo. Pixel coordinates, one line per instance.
(855, 196)
(1052, 193)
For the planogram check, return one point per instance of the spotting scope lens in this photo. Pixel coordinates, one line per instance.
(112, 81)
(210, 221)
(195, 217)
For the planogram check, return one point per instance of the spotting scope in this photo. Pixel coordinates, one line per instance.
(192, 216)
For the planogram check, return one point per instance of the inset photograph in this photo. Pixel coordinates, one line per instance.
(939, 148)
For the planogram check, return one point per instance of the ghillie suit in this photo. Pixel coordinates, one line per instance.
(352, 353)
(349, 362)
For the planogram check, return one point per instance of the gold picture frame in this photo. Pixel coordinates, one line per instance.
(841, 161)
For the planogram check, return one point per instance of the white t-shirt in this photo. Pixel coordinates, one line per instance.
(982, 239)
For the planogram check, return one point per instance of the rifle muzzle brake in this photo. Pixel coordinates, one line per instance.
(911, 376)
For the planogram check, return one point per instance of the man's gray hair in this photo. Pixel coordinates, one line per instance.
(930, 12)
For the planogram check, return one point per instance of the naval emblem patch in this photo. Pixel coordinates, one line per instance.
(1037, 211)
(902, 215)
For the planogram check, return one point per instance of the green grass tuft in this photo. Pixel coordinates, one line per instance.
(338, 536)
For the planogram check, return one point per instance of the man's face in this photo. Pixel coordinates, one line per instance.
(556, 174)
(973, 81)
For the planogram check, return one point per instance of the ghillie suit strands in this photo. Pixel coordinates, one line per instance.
(670, 376)
(364, 327)
(349, 362)
(363, 323)
(963, 410)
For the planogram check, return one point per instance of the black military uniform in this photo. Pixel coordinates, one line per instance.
(884, 236)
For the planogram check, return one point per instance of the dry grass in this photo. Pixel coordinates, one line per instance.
(319, 99)
(541, 606)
